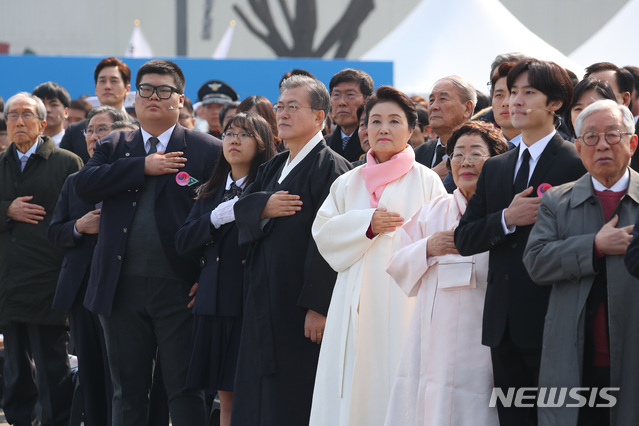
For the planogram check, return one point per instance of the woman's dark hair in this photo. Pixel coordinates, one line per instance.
(600, 86)
(390, 94)
(259, 128)
(264, 108)
(488, 133)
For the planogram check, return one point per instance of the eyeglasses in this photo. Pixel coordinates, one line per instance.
(473, 157)
(291, 109)
(613, 137)
(100, 132)
(349, 96)
(26, 116)
(164, 91)
(242, 137)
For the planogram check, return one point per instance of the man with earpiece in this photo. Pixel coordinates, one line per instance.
(499, 218)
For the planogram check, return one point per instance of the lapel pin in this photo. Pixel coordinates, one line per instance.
(184, 179)
(541, 189)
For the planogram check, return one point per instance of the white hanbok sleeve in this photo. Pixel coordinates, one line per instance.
(409, 263)
(340, 235)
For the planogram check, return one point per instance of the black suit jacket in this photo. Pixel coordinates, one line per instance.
(425, 153)
(220, 289)
(74, 141)
(353, 148)
(512, 298)
(115, 175)
(78, 251)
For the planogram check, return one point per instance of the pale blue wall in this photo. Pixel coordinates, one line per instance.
(248, 77)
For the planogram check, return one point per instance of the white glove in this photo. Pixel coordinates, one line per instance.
(223, 213)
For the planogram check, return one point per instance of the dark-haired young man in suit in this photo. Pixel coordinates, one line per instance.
(139, 285)
(499, 218)
(112, 83)
(349, 89)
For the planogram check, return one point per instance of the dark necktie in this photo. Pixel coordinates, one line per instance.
(521, 181)
(345, 140)
(439, 154)
(154, 145)
(232, 192)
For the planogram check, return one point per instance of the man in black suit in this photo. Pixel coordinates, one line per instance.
(451, 103)
(74, 229)
(139, 285)
(112, 84)
(499, 218)
(349, 89)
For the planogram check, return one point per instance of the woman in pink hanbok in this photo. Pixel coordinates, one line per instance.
(445, 375)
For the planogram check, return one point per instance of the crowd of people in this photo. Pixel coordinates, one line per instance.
(343, 256)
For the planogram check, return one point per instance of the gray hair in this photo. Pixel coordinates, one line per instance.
(115, 114)
(466, 90)
(605, 105)
(40, 108)
(123, 125)
(319, 98)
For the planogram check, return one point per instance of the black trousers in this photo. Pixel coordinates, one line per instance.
(96, 390)
(515, 367)
(149, 315)
(36, 368)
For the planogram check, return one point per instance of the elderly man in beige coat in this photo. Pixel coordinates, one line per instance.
(577, 245)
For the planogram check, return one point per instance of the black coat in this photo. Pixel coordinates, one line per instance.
(74, 140)
(74, 274)
(512, 298)
(220, 289)
(115, 175)
(353, 148)
(286, 277)
(29, 265)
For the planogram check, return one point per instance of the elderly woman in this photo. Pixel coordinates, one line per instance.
(445, 374)
(355, 232)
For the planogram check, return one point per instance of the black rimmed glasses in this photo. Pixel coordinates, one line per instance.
(613, 137)
(164, 91)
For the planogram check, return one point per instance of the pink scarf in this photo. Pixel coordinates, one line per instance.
(378, 175)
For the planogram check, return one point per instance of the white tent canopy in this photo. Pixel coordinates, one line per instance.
(615, 41)
(462, 37)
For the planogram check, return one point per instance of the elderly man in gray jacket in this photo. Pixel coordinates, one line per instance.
(590, 351)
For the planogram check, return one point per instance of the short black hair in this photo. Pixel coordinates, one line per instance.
(422, 116)
(365, 81)
(225, 109)
(588, 83)
(390, 94)
(625, 81)
(162, 67)
(547, 77)
(50, 91)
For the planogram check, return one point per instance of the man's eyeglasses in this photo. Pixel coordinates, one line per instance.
(163, 91)
(242, 137)
(291, 109)
(100, 131)
(613, 137)
(26, 116)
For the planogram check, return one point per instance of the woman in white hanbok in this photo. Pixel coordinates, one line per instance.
(445, 374)
(355, 231)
